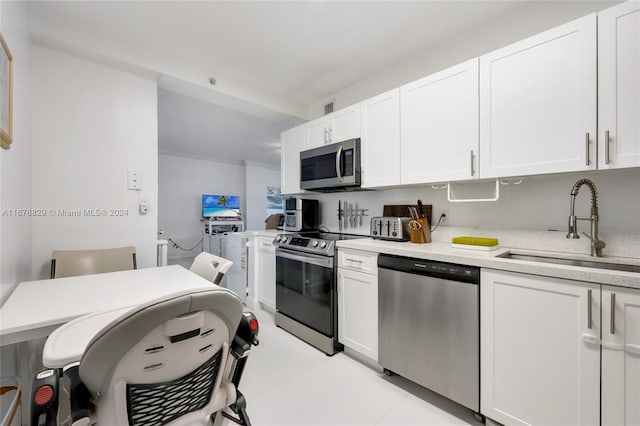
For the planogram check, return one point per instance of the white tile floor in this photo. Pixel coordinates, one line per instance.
(288, 382)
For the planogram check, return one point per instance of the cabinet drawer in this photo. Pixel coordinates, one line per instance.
(357, 260)
(265, 243)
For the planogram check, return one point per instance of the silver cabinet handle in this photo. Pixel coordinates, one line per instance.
(330, 135)
(589, 309)
(325, 135)
(607, 140)
(613, 314)
(473, 172)
(586, 143)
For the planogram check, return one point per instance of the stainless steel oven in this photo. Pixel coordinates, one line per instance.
(306, 296)
(331, 167)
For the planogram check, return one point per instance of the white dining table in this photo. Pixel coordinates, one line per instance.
(36, 308)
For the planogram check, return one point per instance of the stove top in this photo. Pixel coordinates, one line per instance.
(322, 243)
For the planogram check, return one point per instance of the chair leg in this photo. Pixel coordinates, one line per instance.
(240, 408)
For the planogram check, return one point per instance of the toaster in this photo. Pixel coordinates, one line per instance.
(390, 228)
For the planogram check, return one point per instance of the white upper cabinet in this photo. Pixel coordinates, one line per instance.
(619, 86)
(293, 141)
(538, 103)
(380, 144)
(439, 126)
(335, 127)
(346, 124)
(318, 132)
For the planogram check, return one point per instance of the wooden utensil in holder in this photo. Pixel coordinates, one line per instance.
(419, 231)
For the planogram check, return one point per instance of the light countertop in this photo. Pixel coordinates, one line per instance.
(443, 252)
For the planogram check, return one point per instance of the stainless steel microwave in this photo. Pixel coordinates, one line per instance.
(331, 167)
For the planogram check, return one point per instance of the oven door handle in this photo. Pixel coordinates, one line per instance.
(319, 261)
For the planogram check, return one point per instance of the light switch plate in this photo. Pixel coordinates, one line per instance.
(133, 180)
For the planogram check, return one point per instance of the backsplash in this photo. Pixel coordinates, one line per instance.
(532, 215)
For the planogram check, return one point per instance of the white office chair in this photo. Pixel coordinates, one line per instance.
(177, 360)
(210, 266)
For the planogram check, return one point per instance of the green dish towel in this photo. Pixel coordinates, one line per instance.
(475, 241)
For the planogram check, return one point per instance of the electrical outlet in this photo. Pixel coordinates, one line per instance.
(446, 217)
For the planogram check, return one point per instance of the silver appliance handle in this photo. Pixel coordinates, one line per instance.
(338, 157)
(325, 262)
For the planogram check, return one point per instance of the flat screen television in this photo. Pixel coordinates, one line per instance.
(221, 207)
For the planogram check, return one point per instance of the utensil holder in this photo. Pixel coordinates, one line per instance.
(422, 234)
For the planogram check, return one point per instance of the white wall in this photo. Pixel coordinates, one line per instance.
(522, 22)
(258, 179)
(181, 183)
(15, 163)
(15, 169)
(524, 211)
(91, 124)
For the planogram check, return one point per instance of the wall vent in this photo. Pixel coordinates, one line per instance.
(328, 108)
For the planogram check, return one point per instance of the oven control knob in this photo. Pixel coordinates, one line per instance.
(314, 243)
(323, 244)
(278, 239)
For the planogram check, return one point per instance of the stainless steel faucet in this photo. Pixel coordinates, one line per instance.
(596, 244)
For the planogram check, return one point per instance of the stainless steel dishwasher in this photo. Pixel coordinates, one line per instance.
(429, 325)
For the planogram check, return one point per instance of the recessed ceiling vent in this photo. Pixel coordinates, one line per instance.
(328, 108)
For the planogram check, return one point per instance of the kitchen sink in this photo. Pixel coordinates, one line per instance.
(572, 262)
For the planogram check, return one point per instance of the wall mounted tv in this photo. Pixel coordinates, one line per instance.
(221, 207)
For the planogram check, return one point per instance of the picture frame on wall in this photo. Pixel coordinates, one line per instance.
(6, 95)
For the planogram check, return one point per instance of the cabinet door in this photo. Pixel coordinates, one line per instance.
(266, 274)
(345, 124)
(619, 86)
(293, 141)
(380, 144)
(358, 312)
(318, 132)
(439, 126)
(538, 103)
(620, 356)
(539, 351)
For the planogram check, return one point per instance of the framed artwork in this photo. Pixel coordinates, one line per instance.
(6, 94)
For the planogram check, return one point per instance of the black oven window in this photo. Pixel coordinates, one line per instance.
(304, 292)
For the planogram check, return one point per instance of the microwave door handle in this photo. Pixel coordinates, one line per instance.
(339, 163)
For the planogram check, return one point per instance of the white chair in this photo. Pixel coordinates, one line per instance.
(176, 360)
(71, 263)
(211, 267)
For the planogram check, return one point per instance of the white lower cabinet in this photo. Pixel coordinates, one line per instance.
(620, 356)
(539, 350)
(265, 272)
(358, 302)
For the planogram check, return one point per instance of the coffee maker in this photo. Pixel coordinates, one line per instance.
(301, 214)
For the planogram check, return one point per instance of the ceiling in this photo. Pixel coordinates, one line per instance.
(279, 55)
(200, 129)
